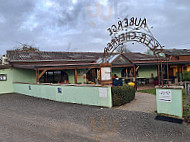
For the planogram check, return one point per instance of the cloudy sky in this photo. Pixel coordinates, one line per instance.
(81, 25)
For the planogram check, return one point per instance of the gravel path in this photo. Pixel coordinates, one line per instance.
(143, 102)
(28, 119)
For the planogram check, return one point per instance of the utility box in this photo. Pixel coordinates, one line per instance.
(169, 101)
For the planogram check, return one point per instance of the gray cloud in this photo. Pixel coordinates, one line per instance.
(81, 25)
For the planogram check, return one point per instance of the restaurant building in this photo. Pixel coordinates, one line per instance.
(84, 67)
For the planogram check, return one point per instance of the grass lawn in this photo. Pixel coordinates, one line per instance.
(149, 91)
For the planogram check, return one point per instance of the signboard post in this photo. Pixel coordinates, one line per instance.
(169, 101)
(106, 74)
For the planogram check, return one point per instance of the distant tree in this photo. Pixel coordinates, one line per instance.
(122, 49)
(26, 47)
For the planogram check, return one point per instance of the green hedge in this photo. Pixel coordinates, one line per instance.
(186, 76)
(122, 94)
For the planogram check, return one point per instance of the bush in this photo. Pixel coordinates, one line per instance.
(122, 94)
(186, 76)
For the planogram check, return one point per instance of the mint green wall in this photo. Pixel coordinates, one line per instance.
(22, 75)
(116, 71)
(16, 75)
(175, 107)
(73, 94)
(146, 71)
(71, 74)
(6, 86)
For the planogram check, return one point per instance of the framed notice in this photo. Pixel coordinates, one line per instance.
(105, 73)
(103, 92)
(165, 95)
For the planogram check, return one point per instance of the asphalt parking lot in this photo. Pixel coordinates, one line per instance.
(28, 119)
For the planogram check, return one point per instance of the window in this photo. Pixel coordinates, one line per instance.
(54, 77)
(3, 77)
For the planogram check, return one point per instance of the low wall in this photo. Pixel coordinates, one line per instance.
(169, 100)
(89, 95)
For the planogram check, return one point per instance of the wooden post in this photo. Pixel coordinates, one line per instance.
(158, 74)
(162, 81)
(181, 72)
(178, 74)
(168, 77)
(37, 76)
(134, 75)
(126, 73)
(75, 76)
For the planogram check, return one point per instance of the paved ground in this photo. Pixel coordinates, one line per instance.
(27, 119)
(143, 102)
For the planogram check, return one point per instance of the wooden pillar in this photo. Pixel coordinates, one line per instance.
(161, 73)
(37, 76)
(178, 73)
(126, 73)
(158, 74)
(168, 77)
(181, 72)
(75, 76)
(134, 75)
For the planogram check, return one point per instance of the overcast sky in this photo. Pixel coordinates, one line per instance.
(81, 25)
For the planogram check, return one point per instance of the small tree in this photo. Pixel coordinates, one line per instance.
(186, 76)
(123, 49)
(26, 47)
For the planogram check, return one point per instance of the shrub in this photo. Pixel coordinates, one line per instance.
(122, 94)
(186, 76)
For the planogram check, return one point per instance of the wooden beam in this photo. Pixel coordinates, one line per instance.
(62, 68)
(122, 66)
(75, 76)
(42, 73)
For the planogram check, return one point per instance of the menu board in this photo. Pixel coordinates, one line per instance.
(165, 95)
(105, 73)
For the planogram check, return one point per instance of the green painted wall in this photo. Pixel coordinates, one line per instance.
(73, 94)
(71, 74)
(16, 75)
(116, 71)
(7, 86)
(22, 75)
(175, 107)
(146, 71)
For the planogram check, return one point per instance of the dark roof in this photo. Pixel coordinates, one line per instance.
(176, 52)
(23, 56)
(139, 57)
(36, 59)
